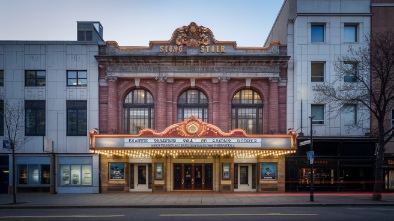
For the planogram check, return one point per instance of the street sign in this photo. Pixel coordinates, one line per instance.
(310, 155)
(305, 142)
(7, 144)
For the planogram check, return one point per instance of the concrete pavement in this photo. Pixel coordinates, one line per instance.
(189, 199)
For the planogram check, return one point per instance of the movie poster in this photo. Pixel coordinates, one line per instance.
(268, 171)
(116, 171)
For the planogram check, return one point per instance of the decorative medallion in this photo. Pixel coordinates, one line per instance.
(192, 128)
(192, 35)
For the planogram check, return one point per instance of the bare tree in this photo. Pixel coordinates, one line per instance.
(365, 78)
(14, 125)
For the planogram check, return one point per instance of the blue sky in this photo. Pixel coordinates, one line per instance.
(136, 22)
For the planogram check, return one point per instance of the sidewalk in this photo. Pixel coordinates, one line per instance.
(189, 199)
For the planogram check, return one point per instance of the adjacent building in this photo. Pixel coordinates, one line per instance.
(53, 87)
(316, 33)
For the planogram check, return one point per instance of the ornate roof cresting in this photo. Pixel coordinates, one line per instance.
(192, 35)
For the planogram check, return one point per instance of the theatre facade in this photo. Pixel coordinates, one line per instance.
(192, 113)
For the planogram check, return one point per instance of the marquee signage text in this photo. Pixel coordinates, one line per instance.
(203, 49)
(216, 142)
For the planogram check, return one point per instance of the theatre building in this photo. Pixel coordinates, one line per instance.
(192, 113)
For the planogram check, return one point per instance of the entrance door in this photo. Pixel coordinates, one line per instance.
(141, 177)
(192, 176)
(244, 177)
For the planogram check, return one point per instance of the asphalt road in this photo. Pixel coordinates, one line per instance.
(359, 213)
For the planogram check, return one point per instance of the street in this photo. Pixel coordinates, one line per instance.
(358, 213)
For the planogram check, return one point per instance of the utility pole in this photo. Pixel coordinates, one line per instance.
(311, 186)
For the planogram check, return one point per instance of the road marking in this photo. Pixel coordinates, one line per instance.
(252, 214)
(63, 216)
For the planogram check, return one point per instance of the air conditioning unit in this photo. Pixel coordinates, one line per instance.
(48, 145)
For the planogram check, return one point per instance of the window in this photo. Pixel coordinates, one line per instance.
(75, 174)
(1, 117)
(77, 78)
(85, 36)
(35, 118)
(317, 33)
(392, 119)
(138, 111)
(350, 114)
(192, 102)
(351, 71)
(35, 78)
(317, 110)
(247, 112)
(317, 71)
(33, 174)
(1, 78)
(76, 118)
(350, 33)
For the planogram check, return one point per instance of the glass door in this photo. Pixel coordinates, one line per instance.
(189, 181)
(198, 176)
(192, 176)
(178, 177)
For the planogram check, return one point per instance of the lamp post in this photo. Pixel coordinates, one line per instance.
(311, 186)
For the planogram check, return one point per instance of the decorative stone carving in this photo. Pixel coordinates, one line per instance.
(274, 79)
(161, 77)
(183, 69)
(111, 78)
(192, 35)
(224, 77)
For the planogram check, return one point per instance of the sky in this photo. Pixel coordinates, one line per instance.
(136, 22)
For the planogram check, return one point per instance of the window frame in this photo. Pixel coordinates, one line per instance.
(25, 178)
(321, 38)
(1, 117)
(69, 178)
(392, 119)
(317, 120)
(1, 78)
(132, 102)
(77, 78)
(186, 102)
(35, 79)
(347, 35)
(346, 111)
(80, 107)
(35, 113)
(238, 102)
(350, 78)
(322, 77)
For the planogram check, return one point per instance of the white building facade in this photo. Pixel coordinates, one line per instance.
(317, 33)
(56, 85)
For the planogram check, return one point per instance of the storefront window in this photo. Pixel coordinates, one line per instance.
(33, 174)
(76, 175)
(389, 180)
(320, 176)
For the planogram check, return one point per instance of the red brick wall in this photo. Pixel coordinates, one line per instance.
(166, 110)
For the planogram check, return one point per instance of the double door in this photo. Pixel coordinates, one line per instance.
(193, 177)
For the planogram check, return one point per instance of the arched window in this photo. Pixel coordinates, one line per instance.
(247, 112)
(192, 102)
(138, 111)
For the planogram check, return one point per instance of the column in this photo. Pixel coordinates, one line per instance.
(273, 117)
(112, 104)
(160, 109)
(215, 102)
(224, 116)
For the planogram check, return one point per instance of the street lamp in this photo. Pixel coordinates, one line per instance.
(311, 156)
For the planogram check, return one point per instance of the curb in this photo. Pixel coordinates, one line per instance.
(11, 206)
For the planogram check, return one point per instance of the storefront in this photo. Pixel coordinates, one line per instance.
(340, 164)
(192, 155)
